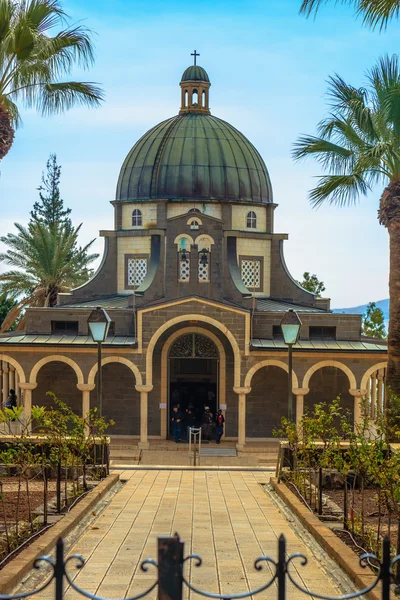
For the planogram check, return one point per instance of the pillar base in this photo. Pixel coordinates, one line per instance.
(240, 447)
(143, 445)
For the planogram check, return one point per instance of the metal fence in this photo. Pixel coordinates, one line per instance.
(170, 578)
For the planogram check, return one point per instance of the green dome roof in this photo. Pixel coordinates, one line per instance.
(195, 73)
(194, 156)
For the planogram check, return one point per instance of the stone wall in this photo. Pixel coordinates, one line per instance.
(59, 378)
(326, 384)
(121, 401)
(267, 402)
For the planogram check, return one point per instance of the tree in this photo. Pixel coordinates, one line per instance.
(33, 62)
(51, 209)
(358, 145)
(312, 284)
(373, 12)
(373, 323)
(6, 304)
(44, 265)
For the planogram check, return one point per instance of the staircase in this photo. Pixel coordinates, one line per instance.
(124, 451)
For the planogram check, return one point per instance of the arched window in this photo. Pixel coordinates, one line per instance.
(186, 98)
(251, 220)
(195, 97)
(203, 99)
(137, 218)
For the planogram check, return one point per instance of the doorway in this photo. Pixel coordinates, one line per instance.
(193, 366)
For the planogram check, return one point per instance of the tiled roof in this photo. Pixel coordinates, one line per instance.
(268, 305)
(319, 345)
(81, 340)
(117, 301)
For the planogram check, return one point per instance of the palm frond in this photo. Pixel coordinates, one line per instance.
(341, 190)
(66, 48)
(7, 11)
(13, 314)
(309, 7)
(378, 13)
(59, 97)
(43, 15)
(328, 154)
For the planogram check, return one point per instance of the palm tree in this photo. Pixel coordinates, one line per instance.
(358, 145)
(46, 261)
(374, 12)
(33, 61)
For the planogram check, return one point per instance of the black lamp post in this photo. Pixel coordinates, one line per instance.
(290, 326)
(99, 323)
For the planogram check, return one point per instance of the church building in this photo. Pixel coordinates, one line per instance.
(195, 283)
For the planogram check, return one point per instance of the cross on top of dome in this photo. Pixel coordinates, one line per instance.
(194, 54)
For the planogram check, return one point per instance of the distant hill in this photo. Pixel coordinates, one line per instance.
(360, 310)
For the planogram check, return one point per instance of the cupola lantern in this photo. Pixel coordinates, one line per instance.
(195, 85)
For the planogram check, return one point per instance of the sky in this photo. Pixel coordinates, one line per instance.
(268, 68)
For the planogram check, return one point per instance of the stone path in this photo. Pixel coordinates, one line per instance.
(224, 516)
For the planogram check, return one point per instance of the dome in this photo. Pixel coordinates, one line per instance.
(195, 73)
(194, 156)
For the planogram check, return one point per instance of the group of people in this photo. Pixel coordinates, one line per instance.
(189, 420)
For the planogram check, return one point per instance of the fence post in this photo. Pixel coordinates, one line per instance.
(59, 570)
(170, 565)
(385, 572)
(281, 567)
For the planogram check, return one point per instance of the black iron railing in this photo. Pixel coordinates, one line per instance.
(170, 579)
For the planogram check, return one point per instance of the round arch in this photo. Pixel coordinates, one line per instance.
(330, 363)
(118, 359)
(192, 317)
(369, 372)
(207, 239)
(270, 363)
(16, 365)
(56, 358)
(164, 368)
(184, 236)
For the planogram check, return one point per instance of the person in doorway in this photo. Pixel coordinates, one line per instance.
(190, 420)
(11, 401)
(206, 425)
(176, 423)
(220, 420)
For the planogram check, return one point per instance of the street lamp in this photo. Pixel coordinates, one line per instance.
(99, 323)
(290, 326)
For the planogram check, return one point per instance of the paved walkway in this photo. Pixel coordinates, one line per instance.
(224, 516)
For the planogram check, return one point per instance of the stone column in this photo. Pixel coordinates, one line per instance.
(144, 411)
(242, 393)
(6, 387)
(300, 393)
(85, 388)
(27, 390)
(1, 385)
(17, 388)
(374, 409)
(380, 378)
(358, 395)
(11, 378)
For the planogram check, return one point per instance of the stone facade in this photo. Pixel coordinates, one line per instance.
(188, 266)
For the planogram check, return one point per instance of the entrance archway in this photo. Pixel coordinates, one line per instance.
(193, 374)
